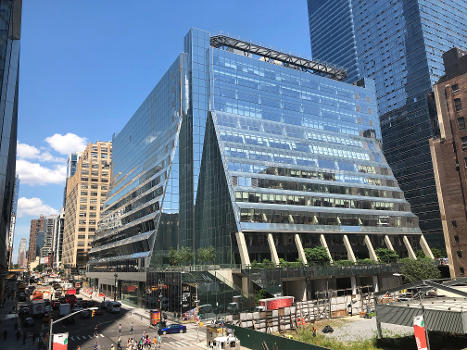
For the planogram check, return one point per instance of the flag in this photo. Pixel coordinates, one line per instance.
(419, 332)
(60, 341)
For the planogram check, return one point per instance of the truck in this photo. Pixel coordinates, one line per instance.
(274, 303)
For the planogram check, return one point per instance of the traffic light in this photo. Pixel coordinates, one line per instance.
(93, 313)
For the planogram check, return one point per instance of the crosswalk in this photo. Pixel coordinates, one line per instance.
(85, 337)
(187, 341)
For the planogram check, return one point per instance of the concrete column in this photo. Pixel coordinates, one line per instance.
(353, 284)
(241, 243)
(272, 248)
(426, 248)
(388, 242)
(348, 247)
(247, 288)
(371, 250)
(375, 284)
(409, 248)
(301, 252)
(324, 244)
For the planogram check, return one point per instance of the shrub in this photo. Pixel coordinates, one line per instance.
(438, 253)
(344, 263)
(317, 255)
(366, 261)
(386, 255)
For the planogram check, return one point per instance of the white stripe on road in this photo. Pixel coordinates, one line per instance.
(90, 336)
(72, 338)
(101, 335)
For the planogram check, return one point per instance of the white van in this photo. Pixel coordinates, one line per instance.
(114, 307)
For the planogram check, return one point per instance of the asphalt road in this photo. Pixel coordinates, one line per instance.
(82, 332)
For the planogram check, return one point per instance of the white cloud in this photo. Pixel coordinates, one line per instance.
(34, 207)
(68, 143)
(25, 151)
(35, 174)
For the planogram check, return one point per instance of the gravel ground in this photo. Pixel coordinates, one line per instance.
(357, 329)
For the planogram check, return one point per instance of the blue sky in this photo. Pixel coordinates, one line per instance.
(87, 65)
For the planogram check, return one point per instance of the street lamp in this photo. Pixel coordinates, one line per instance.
(116, 286)
(61, 319)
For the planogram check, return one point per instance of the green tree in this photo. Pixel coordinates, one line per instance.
(420, 269)
(186, 255)
(206, 255)
(386, 255)
(437, 253)
(317, 255)
(174, 257)
(260, 294)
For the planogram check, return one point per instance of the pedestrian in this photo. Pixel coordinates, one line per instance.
(131, 328)
(112, 347)
(154, 341)
(119, 328)
(119, 343)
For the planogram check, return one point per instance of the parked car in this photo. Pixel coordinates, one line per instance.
(173, 328)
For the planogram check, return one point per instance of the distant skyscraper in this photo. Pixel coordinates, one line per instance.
(57, 241)
(399, 44)
(37, 225)
(11, 229)
(51, 223)
(22, 260)
(10, 29)
(71, 163)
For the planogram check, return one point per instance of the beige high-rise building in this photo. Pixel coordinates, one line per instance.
(86, 191)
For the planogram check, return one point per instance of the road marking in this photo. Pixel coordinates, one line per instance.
(90, 336)
(72, 338)
(102, 335)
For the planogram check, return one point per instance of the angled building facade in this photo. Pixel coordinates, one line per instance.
(256, 153)
(399, 44)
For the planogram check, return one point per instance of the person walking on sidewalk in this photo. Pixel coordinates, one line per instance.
(131, 328)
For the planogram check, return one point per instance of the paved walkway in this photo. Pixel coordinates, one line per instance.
(9, 326)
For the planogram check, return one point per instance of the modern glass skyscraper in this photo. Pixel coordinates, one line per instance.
(256, 153)
(10, 29)
(399, 44)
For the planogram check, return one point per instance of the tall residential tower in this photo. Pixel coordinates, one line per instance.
(399, 44)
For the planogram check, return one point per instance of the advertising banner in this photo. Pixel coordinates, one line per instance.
(419, 332)
(60, 341)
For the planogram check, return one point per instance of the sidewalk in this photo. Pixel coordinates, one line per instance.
(7, 323)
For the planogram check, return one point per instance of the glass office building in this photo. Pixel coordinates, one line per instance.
(10, 37)
(399, 44)
(255, 152)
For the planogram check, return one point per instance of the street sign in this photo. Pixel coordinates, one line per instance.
(60, 341)
(419, 332)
